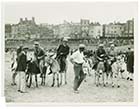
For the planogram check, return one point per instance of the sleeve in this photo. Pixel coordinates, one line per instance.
(24, 61)
(58, 50)
(42, 52)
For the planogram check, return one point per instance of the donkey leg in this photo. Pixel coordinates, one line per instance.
(36, 81)
(61, 78)
(97, 77)
(65, 77)
(58, 80)
(103, 79)
(53, 80)
(44, 74)
(41, 81)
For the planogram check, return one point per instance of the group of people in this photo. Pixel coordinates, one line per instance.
(77, 58)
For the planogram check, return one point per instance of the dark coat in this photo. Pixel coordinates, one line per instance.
(21, 62)
(101, 53)
(64, 50)
(130, 62)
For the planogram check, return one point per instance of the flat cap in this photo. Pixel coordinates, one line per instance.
(82, 46)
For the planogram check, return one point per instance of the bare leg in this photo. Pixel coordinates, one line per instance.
(30, 80)
(13, 78)
(36, 80)
(41, 81)
(61, 78)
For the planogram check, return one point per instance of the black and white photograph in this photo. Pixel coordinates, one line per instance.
(70, 52)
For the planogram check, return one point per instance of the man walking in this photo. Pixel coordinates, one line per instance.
(18, 51)
(77, 59)
(21, 67)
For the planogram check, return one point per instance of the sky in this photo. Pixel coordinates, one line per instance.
(56, 13)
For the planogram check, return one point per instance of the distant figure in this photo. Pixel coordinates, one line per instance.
(21, 67)
(130, 63)
(77, 59)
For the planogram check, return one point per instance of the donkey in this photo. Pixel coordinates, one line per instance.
(54, 67)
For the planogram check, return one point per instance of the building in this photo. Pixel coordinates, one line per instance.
(46, 31)
(8, 29)
(95, 30)
(25, 29)
(129, 28)
(84, 27)
(113, 30)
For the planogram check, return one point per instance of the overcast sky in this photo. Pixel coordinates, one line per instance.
(55, 13)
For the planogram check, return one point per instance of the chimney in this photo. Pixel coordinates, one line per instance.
(33, 19)
(26, 19)
(21, 20)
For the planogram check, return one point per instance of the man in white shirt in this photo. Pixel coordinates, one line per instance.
(77, 59)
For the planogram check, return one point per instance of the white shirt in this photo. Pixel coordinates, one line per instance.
(78, 57)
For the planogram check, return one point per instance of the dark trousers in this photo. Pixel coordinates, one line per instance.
(62, 63)
(79, 76)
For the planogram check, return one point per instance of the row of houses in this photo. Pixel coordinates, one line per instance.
(28, 29)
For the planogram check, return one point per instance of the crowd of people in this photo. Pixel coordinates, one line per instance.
(77, 58)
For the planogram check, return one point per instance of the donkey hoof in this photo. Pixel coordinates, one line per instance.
(104, 85)
(97, 85)
(65, 82)
(118, 86)
(52, 85)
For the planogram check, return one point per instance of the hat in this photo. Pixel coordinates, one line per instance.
(64, 39)
(101, 45)
(25, 48)
(112, 45)
(21, 45)
(81, 46)
(36, 43)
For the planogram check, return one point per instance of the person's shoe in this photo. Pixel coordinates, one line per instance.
(131, 79)
(76, 91)
(23, 92)
(49, 73)
(128, 78)
(118, 86)
(112, 86)
(18, 90)
(13, 84)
